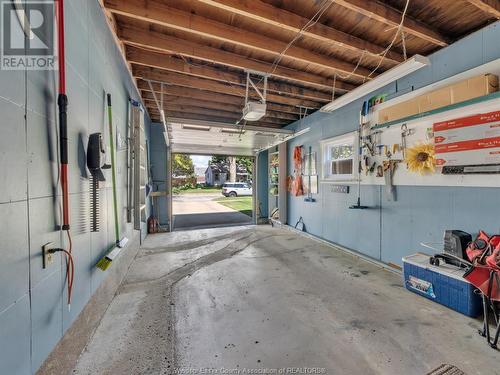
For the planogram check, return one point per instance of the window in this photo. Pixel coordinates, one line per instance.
(340, 158)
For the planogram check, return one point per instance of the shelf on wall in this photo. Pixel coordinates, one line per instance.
(481, 99)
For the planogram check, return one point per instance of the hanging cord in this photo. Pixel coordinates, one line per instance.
(403, 41)
(70, 270)
(334, 86)
(312, 21)
(382, 54)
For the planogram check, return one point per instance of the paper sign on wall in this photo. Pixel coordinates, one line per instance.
(472, 140)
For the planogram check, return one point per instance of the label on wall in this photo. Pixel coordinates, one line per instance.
(472, 140)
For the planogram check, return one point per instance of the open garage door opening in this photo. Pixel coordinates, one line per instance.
(211, 191)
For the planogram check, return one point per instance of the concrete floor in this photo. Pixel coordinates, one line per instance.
(195, 211)
(265, 298)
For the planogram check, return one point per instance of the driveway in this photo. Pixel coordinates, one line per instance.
(193, 211)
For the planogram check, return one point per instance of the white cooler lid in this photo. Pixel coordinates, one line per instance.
(422, 260)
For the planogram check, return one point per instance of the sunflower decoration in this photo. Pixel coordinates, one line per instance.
(421, 158)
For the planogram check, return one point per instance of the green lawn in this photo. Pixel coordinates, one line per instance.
(197, 190)
(241, 204)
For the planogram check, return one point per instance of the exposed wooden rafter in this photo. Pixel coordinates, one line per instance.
(219, 113)
(491, 7)
(202, 50)
(263, 12)
(166, 43)
(193, 116)
(165, 62)
(210, 85)
(206, 96)
(155, 12)
(391, 17)
(173, 102)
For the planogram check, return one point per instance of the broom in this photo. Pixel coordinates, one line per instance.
(105, 262)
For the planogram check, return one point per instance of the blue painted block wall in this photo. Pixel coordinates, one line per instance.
(263, 183)
(390, 230)
(33, 312)
(158, 152)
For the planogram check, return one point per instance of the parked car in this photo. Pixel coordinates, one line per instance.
(233, 189)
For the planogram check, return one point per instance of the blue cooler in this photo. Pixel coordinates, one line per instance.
(444, 284)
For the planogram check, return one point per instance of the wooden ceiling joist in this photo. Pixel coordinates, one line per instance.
(158, 13)
(208, 97)
(165, 62)
(193, 116)
(203, 49)
(491, 7)
(210, 85)
(166, 43)
(391, 17)
(171, 102)
(218, 113)
(262, 12)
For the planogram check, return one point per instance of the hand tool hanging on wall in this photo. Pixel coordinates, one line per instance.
(105, 261)
(119, 242)
(358, 205)
(309, 168)
(62, 103)
(389, 169)
(405, 132)
(95, 148)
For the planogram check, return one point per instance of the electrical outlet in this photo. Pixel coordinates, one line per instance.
(47, 257)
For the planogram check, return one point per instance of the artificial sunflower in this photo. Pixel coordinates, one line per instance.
(421, 158)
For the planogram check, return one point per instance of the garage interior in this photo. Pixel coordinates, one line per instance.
(374, 246)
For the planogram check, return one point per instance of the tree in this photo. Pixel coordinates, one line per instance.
(216, 159)
(182, 165)
(248, 163)
(245, 161)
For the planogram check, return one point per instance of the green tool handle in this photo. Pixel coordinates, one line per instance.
(113, 173)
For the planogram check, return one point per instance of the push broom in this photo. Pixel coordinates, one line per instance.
(105, 262)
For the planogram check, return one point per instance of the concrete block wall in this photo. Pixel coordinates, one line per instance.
(390, 230)
(158, 152)
(33, 311)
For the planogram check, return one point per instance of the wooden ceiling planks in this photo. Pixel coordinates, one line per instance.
(167, 62)
(491, 7)
(203, 48)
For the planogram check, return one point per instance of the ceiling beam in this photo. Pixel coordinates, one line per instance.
(248, 127)
(172, 102)
(165, 62)
(215, 113)
(209, 85)
(260, 11)
(187, 92)
(153, 11)
(392, 17)
(166, 43)
(193, 116)
(491, 7)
